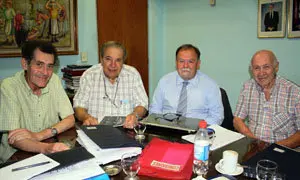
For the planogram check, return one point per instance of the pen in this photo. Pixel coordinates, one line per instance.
(30, 166)
(4, 131)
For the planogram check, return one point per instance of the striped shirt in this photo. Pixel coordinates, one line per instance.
(20, 108)
(272, 120)
(122, 97)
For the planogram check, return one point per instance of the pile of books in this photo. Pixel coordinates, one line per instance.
(71, 76)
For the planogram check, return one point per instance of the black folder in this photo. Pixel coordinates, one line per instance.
(65, 158)
(70, 157)
(106, 136)
(287, 160)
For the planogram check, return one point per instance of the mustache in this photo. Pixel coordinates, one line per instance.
(186, 69)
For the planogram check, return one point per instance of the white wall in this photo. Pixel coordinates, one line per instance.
(226, 36)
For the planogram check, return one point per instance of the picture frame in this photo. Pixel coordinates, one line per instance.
(294, 19)
(271, 18)
(47, 20)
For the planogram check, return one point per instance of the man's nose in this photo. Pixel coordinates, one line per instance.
(45, 70)
(185, 64)
(113, 63)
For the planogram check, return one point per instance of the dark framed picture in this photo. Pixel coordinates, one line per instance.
(48, 20)
(271, 18)
(294, 19)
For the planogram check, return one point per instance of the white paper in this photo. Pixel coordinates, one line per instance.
(7, 173)
(104, 156)
(223, 137)
(81, 170)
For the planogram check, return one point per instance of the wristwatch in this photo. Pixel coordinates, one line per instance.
(137, 116)
(54, 131)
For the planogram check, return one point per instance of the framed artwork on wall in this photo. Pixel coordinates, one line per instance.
(271, 18)
(294, 19)
(47, 20)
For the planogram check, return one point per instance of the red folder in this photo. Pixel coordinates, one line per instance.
(167, 160)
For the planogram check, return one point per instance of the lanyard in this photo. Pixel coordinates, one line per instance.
(106, 95)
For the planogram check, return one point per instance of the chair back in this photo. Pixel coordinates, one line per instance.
(228, 116)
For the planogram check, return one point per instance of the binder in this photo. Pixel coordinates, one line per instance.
(287, 160)
(106, 136)
(65, 158)
(167, 160)
(70, 157)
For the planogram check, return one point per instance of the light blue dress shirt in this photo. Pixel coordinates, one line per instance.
(204, 97)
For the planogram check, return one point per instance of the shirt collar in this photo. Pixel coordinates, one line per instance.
(192, 82)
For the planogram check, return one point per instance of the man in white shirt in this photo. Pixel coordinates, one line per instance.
(111, 89)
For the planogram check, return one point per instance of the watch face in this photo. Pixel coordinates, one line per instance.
(54, 131)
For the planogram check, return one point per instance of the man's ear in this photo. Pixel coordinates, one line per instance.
(198, 64)
(24, 64)
(277, 67)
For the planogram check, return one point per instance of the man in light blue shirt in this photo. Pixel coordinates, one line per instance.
(203, 96)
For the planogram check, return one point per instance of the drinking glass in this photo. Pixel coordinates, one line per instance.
(130, 165)
(139, 129)
(266, 169)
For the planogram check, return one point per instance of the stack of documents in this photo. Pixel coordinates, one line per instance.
(222, 137)
(104, 156)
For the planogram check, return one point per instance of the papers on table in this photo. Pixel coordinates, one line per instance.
(81, 170)
(223, 137)
(104, 156)
(29, 172)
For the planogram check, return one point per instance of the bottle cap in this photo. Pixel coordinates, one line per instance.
(202, 124)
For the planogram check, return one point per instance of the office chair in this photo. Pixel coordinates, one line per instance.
(228, 116)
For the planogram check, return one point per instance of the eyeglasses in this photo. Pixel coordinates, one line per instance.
(170, 117)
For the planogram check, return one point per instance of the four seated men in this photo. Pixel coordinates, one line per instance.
(34, 105)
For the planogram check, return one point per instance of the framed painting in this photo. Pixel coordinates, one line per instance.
(47, 20)
(294, 19)
(271, 18)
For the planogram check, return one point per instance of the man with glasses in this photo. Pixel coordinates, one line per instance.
(188, 92)
(33, 104)
(111, 88)
(270, 103)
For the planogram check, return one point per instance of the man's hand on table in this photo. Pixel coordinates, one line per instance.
(20, 134)
(90, 121)
(130, 121)
(54, 147)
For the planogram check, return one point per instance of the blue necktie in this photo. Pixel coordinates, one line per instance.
(182, 103)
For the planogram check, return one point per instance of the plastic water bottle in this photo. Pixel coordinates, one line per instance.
(201, 150)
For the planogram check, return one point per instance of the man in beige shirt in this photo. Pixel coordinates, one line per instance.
(33, 104)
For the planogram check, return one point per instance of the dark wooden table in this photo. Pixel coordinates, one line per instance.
(245, 147)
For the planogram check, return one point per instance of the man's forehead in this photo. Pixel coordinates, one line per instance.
(40, 56)
(261, 62)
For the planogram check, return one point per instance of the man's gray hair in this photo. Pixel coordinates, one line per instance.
(270, 54)
(115, 44)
